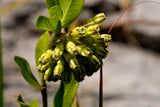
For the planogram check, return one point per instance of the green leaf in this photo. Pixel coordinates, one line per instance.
(71, 10)
(41, 46)
(26, 72)
(58, 100)
(66, 94)
(1, 74)
(51, 24)
(34, 103)
(55, 11)
(51, 3)
(21, 102)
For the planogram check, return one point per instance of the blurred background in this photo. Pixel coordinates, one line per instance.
(131, 70)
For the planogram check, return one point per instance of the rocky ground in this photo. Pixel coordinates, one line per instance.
(131, 74)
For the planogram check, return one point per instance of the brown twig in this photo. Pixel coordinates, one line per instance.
(44, 91)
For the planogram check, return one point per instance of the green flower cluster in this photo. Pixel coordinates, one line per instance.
(78, 53)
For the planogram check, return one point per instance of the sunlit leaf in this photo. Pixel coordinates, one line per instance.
(34, 103)
(41, 47)
(71, 10)
(26, 72)
(66, 94)
(55, 11)
(51, 3)
(51, 24)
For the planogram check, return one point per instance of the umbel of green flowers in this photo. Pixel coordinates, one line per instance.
(76, 54)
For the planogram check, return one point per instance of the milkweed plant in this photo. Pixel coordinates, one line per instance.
(67, 56)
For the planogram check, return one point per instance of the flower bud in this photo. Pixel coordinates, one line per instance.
(73, 63)
(67, 77)
(101, 52)
(46, 57)
(71, 48)
(83, 70)
(77, 78)
(43, 68)
(75, 31)
(47, 74)
(89, 23)
(58, 51)
(66, 74)
(82, 30)
(107, 38)
(78, 75)
(99, 18)
(78, 31)
(84, 50)
(58, 68)
(95, 60)
(87, 66)
(54, 79)
(92, 29)
(98, 41)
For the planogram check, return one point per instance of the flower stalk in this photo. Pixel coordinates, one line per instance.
(44, 91)
(101, 86)
(43, 82)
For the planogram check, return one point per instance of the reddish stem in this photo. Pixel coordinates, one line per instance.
(126, 11)
(101, 86)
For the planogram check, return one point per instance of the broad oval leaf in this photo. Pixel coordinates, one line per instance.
(26, 72)
(41, 46)
(71, 10)
(21, 102)
(51, 3)
(51, 24)
(34, 103)
(66, 94)
(55, 11)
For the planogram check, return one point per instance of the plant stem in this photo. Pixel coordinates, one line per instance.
(44, 91)
(43, 82)
(101, 86)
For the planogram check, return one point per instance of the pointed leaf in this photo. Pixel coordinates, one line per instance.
(71, 10)
(21, 102)
(41, 46)
(34, 103)
(66, 94)
(51, 3)
(55, 11)
(51, 24)
(26, 72)
(69, 93)
(58, 100)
